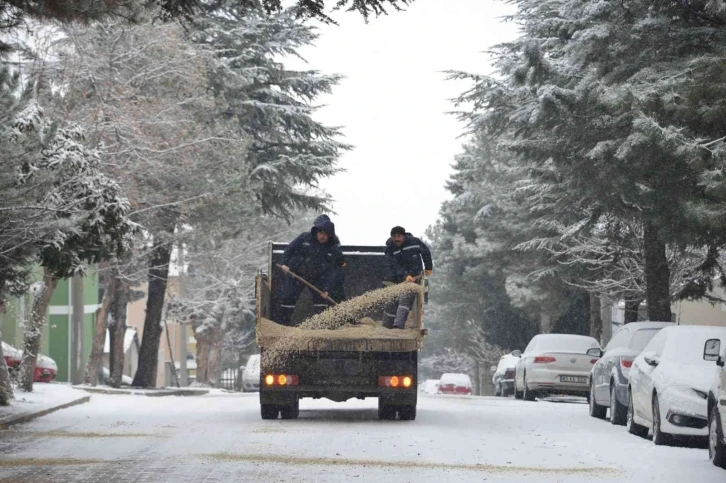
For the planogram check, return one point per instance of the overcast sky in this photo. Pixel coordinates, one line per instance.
(393, 107)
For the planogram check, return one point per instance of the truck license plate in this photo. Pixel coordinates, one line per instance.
(576, 379)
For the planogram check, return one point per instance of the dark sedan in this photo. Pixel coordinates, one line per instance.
(609, 376)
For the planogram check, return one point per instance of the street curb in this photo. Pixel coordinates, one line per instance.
(144, 392)
(6, 422)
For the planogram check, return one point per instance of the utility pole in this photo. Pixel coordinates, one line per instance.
(77, 329)
(182, 328)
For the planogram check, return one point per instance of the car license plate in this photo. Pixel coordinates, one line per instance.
(577, 379)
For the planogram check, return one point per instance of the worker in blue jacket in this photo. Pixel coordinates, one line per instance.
(315, 256)
(408, 259)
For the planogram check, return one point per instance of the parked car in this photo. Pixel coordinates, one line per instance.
(716, 404)
(669, 384)
(555, 364)
(45, 368)
(251, 374)
(451, 383)
(11, 355)
(503, 378)
(430, 386)
(609, 375)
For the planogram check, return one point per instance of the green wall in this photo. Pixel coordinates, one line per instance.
(56, 332)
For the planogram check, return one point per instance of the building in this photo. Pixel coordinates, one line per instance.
(56, 338)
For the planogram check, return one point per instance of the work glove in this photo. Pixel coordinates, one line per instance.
(285, 269)
(409, 278)
(429, 272)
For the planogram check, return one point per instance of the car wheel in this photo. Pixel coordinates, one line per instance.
(529, 395)
(596, 411)
(630, 424)
(518, 394)
(386, 411)
(407, 413)
(659, 437)
(716, 446)
(506, 393)
(618, 412)
(269, 411)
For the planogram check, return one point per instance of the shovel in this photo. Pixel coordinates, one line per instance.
(308, 285)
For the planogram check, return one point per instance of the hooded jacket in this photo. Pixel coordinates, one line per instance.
(316, 262)
(407, 259)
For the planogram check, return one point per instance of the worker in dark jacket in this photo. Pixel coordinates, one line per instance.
(316, 257)
(408, 259)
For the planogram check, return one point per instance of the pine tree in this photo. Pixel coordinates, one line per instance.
(622, 101)
(289, 151)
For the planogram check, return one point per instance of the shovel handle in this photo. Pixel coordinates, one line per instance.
(308, 284)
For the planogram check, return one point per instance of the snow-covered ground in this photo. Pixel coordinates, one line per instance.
(221, 438)
(44, 396)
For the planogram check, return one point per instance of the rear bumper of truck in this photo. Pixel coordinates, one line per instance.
(340, 376)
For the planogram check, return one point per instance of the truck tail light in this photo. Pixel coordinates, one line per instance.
(395, 381)
(544, 359)
(281, 380)
(626, 363)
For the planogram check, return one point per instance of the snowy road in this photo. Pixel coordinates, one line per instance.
(221, 438)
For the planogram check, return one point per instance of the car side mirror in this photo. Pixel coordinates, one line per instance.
(594, 352)
(651, 359)
(712, 350)
(517, 353)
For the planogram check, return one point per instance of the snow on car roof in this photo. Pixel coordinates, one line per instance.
(568, 342)
(508, 361)
(685, 343)
(458, 379)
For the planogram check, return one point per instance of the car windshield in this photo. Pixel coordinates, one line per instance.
(641, 338)
(688, 347)
(568, 343)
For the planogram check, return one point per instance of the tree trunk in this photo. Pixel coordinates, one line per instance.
(99, 333)
(34, 329)
(214, 370)
(595, 317)
(202, 358)
(657, 275)
(117, 333)
(631, 311)
(6, 389)
(149, 352)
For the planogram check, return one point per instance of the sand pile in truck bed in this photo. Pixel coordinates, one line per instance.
(358, 307)
(347, 320)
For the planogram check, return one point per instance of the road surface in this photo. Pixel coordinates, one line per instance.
(220, 438)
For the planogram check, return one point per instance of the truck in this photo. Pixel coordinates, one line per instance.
(354, 361)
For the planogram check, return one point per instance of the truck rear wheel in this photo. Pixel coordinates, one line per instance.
(386, 411)
(269, 411)
(292, 411)
(407, 413)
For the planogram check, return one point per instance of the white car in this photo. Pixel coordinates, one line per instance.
(453, 383)
(251, 374)
(556, 364)
(503, 377)
(716, 351)
(669, 384)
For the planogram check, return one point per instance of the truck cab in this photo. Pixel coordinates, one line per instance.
(354, 361)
